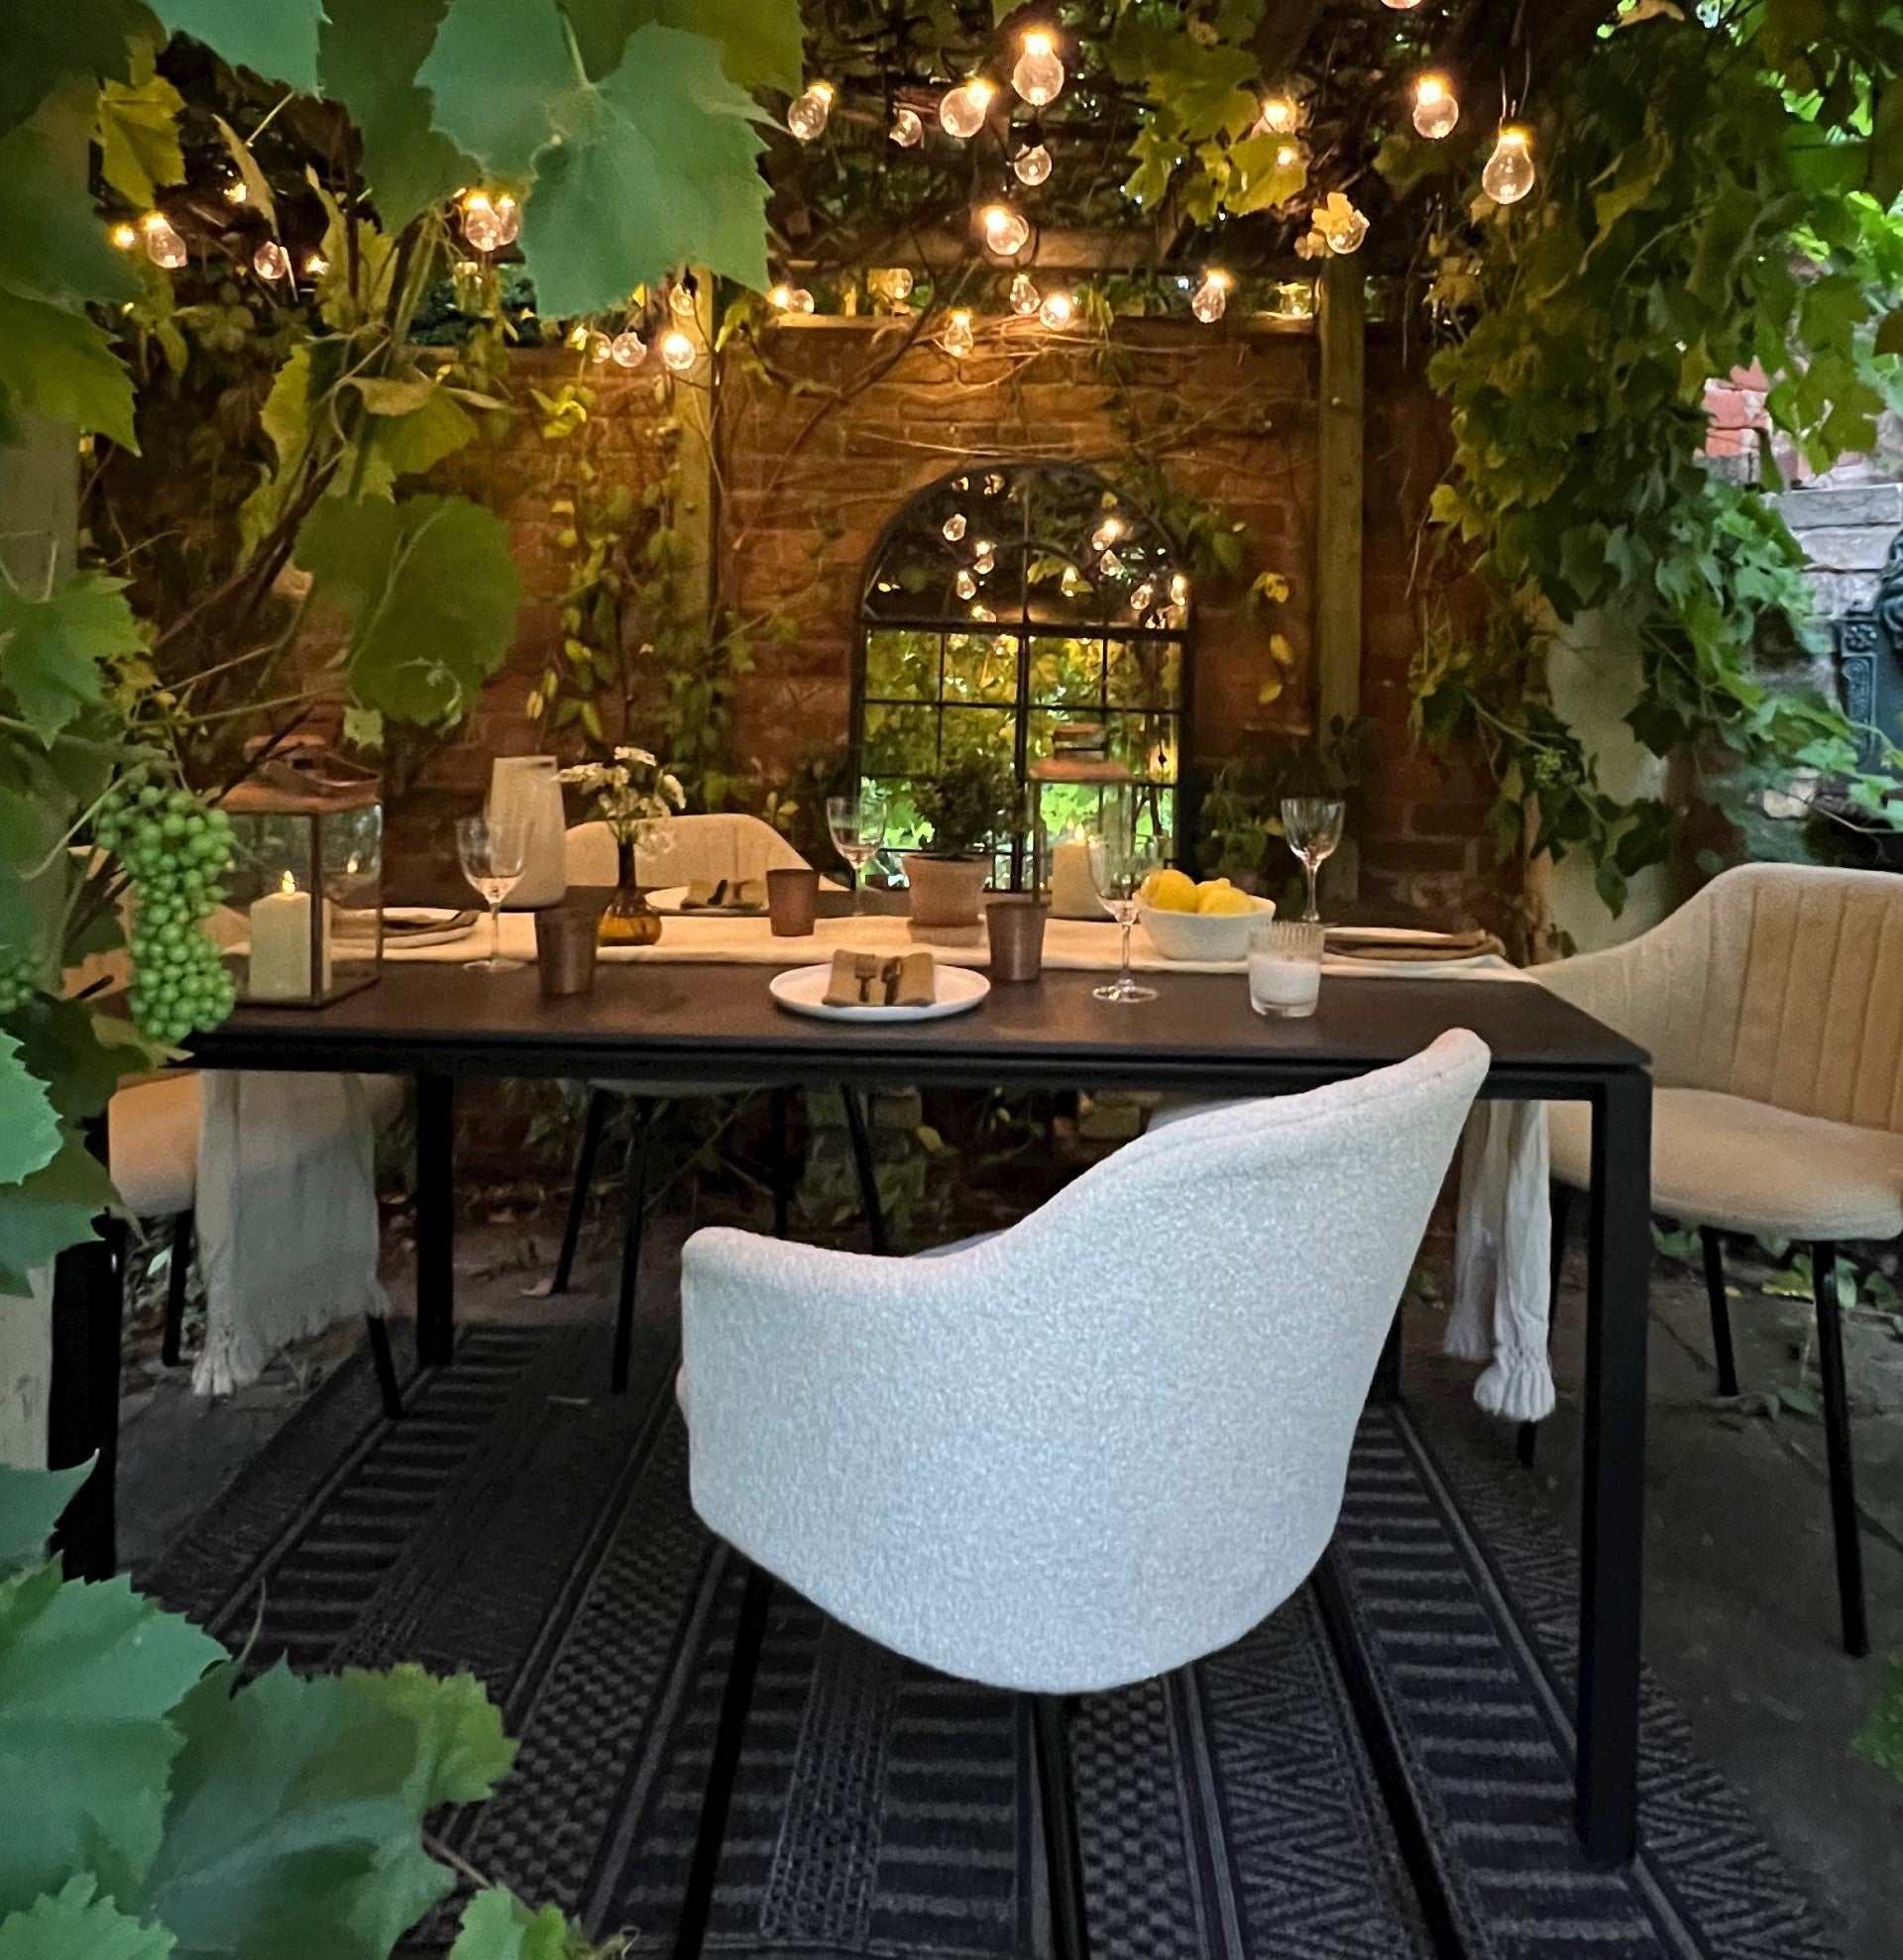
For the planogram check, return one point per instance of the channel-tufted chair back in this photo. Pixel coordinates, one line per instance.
(1782, 983)
(1104, 1442)
(726, 844)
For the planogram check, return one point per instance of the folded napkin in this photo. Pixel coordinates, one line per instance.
(725, 894)
(1376, 942)
(881, 980)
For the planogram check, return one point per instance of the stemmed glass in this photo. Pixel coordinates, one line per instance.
(492, 855)
(857, 823)
(1121, 858)
(1312, 828)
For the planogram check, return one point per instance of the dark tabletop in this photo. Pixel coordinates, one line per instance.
(687, 1023)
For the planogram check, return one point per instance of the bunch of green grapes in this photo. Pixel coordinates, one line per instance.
(18, 977)
(175, 852)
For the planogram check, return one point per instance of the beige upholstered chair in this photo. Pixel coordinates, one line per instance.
(1773, 1003)
(725, 844)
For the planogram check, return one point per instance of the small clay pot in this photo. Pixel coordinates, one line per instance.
(946, 891)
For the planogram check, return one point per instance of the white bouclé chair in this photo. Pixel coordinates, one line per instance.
(1088, 1450)
(1772, 1005)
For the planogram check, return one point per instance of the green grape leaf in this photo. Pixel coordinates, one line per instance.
(89, 1675)
(137, 135)
(31, 1502)
(51, 244)
(296, 1808)
(368, 55)
(497, 74)
(658, 171)
(415, 440)
(54, 1208)
(430, 589)
(64, 365)
(760, 40)
(257, 185)
(52, 649)
(497, 1925)
(74, 1926)
(278, 40)
(84, 1055)
(462, 1752)
(48, 45)
(29, 1125)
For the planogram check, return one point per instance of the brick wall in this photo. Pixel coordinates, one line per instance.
(814, 462)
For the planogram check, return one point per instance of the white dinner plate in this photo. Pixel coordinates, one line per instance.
(671, 899)
(427, 925)
(802, 989)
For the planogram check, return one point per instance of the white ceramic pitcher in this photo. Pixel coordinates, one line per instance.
(524, 790)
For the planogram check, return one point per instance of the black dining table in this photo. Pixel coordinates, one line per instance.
(691, 1023)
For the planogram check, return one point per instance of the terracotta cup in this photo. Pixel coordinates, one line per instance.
(1016, 929)
(565, 942)
(792, 900)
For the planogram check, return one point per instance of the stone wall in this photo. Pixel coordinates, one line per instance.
(857, 416)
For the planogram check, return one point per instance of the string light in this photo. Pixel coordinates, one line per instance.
(907, 131)
(270, 260)
(962, 110)
(965, 585)
(1280, 116)
(1509, 174)
(599, 349)
(1107, 534)
(1210, 300)
(237, 191)
(509, 217)
(984, 616)
(1059, 309)
(1402, 6)
(678, 349)
(316, 265)
(1038, 74)
(629, 348)
(1025, 296)
(984, 557)
(680, 301)
(791, 298)
(1006, 230)
(807, 116)
(1142, 598)
(124, 237)
(952, 529)
(958, 339)
(892, 283)
(1435, 109)
(1178, 589)
(483, 224)
(164, 245)
(1032, 166)
(1288, 156)
(578, 336)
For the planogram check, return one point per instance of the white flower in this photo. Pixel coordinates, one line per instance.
(639, 755)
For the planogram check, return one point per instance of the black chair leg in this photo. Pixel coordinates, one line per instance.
(1057, 1791)
(862, 1158)
(379, 1331)
(1837, 1445)
(177, 1277)
(583, 1179)
(643, 1114)
(1714, 1249)
(782, 1170)
(748, 1638)
(1560, 1204)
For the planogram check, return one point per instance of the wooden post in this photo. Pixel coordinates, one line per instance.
(1340, 331)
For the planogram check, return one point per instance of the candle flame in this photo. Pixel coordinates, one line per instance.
(287, 883)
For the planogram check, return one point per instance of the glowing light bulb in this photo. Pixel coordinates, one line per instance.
(164, 245)
(984, 616)
(807, 117)
(1025, 296)
(1510, 172)
(578, 336)
(962, 110)
(791, 298)
(237, 191)
(1280, 116)
(1346, 236)
(509, 219)
(681, 302)
(1006, 230)
(907, 131)
(965, 585)
(270, 260)
(124, 237)
(482, 223)
(1038, 74)
(1140, 600)
(891, 283)
(629, 348)
(316, 265)
(1435, 109)
(1178, 589)
(984, 557)
(678, 349)
(957, 340)
(1210, 300)
(1032, 166)
(1107, 534)
(952, 529)
(1288, 156)
(1110, 565)
(599, 349)
(1402, 6)
(1073, 582)
(1059, 309)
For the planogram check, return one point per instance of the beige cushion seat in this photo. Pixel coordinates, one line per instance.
(1750, 1167)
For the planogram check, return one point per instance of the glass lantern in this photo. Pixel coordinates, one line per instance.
(306, 875)
(1068, 789)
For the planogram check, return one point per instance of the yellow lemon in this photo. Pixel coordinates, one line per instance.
(1171, 891)
(1222, 899)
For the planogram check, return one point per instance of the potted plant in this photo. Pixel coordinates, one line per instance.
(973, 801)
(634, 796)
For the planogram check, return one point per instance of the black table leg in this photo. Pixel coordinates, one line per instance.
(1611, 1526)
(861, 1138)
(82, 1399)
(435, 1218)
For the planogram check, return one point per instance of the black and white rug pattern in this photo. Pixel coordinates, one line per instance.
(521, 1524)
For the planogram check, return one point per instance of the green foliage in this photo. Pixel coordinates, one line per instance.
(53, 650)
(75, 1924)
(1881, 1740)
(1241, 815)
(29, 1128)
(278, 40)
(973, 800)
(497, 1925)
(430, 592)
(31, 1505)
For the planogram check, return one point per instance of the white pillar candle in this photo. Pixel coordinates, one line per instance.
(280, 945)
(1073, 892)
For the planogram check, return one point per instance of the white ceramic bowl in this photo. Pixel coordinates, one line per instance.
(1212, 935)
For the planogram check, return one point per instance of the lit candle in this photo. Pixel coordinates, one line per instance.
(280, 945)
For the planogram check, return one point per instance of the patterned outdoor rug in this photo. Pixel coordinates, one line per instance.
(1378, 1773)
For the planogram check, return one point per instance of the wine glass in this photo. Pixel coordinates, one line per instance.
(857, 823)
(1121, 858)
(1312, 828)
(492, 855)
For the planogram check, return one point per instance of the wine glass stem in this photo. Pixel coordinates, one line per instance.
(1313, 915)
(494, 930)
(1124, 978)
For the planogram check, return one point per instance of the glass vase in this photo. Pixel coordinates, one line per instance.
(630, 920)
